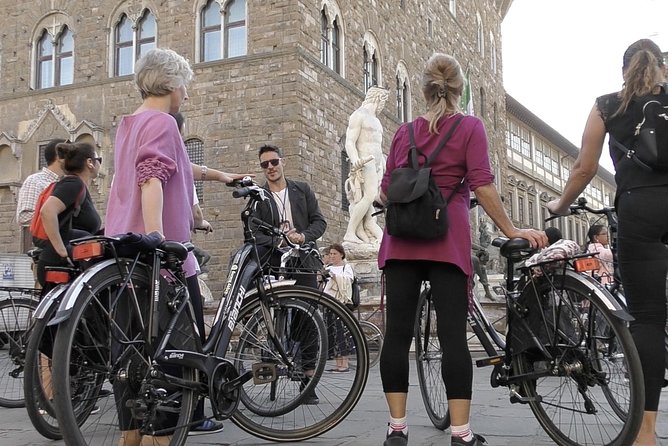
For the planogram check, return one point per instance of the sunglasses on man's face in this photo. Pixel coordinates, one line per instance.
(274, 162)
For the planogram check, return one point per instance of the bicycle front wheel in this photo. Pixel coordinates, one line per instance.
(104, 340)
(321, 402)
(428, 357)
(591, 392)
(15, 315)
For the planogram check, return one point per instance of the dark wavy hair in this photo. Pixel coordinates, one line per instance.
(75, 155)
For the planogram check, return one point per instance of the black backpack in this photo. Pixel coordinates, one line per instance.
(416, 208)
(649, 149)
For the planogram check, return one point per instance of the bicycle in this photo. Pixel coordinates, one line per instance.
(567, 352)
(16, 309)
(251, 366)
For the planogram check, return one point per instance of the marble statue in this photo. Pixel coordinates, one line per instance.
(364, 138)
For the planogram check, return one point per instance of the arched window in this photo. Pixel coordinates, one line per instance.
(132, 43)
(210, 42)
(403, 94)
(45, 61)
(482, 102)
(331, 36)
(235, 28)
(370, 62)
(370, 70)
(146, 34)
(55, 59)
(65, 58)
(324, 38)
(480, 35)
(123, 47)
(336, 47)
(492, 44)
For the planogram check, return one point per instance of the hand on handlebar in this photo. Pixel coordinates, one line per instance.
(296, 237)
(556, 207)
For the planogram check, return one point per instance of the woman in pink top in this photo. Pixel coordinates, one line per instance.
(444, 262)
(152, 189)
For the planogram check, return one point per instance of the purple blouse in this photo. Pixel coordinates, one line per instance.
(464, 155)
(149, 145)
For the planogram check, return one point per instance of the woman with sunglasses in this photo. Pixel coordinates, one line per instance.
(69, 212)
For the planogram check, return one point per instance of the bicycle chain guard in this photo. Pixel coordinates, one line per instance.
(224, 388)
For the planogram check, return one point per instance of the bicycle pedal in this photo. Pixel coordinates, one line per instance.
(263, 373)
(517, 398)
(492, 360)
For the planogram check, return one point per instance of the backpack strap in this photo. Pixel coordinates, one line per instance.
(413, 155)
(413, 162)
(630, 154)
(443, 142)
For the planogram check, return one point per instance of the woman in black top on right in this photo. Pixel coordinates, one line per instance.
(642, 210)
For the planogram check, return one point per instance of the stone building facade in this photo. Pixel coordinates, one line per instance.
(289, 72)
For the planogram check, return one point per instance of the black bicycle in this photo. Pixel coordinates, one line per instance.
(124, 322)
(566, 352)
(16, 308)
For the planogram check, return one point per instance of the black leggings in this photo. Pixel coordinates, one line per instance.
(449, 289)
(643, 263)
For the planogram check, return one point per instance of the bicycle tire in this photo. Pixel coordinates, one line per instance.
(587, 371)
(102, 338)
(374, 341)
(338, 393)
(37, 380)
(428, 359)
(15, 315)
(255, 329)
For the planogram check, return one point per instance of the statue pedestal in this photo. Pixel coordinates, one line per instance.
(364, 260)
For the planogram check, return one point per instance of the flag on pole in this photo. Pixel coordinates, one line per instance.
(466, 101)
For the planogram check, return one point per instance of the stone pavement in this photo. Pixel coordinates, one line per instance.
(502, 423)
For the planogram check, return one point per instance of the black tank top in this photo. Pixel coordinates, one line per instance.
(628, 175)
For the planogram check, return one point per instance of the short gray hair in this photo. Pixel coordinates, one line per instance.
(161, 71)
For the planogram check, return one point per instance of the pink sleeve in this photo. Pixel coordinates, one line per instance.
(479, 172)
(156, 155)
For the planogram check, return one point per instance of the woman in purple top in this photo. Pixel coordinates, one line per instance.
(445, 262)
(152, 189)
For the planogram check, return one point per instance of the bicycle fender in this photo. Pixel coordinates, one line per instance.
(601, 295)
(49, 300)
(76, 287)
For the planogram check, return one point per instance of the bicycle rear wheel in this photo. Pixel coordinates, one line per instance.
(591, 393)
(428, 357)
(253, 349)
(15, 315)
(374, 341)
(104, 339)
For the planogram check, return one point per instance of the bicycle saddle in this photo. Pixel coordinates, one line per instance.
(515, 249)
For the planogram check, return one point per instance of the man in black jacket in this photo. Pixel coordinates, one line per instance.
(294, 208)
